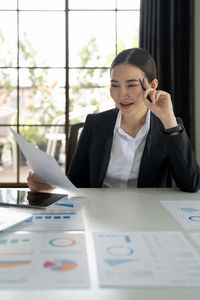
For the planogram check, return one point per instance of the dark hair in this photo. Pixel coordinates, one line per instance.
(137, 57)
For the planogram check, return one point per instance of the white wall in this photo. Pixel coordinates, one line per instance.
(197, 78)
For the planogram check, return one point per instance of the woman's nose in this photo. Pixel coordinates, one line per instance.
(123, 93)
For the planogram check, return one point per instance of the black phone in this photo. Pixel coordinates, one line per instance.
(27, 199)
(144, 89)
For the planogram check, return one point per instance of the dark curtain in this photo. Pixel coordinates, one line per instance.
(166, 31)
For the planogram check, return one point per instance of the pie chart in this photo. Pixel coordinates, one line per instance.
(60, 265)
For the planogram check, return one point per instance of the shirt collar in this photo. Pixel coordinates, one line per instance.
(143, 130)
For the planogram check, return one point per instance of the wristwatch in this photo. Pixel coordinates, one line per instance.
(178, 128)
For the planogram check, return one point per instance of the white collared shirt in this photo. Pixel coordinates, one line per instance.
(125, 157)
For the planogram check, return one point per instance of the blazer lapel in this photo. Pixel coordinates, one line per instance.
(152, 154)
(105, 160)
(102, 143)
(144, 176)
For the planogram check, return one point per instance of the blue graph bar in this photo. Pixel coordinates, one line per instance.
(51, 214)
(65, 204)
(127, 239)
(194, 218)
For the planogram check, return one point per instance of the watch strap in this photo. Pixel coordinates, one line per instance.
(178, 128)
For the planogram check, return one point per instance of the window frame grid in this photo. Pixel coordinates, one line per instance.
(66, 68)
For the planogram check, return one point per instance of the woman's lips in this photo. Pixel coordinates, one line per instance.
(126, 105)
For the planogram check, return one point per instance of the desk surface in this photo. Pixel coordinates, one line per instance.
(134, 210)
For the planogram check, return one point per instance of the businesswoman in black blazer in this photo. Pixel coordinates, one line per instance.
(140, 143)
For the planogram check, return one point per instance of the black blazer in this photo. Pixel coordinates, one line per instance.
(165, 158)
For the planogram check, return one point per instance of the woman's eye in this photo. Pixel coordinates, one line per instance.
(132, 85)
(114, 85)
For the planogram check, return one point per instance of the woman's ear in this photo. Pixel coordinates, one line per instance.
(154, 83)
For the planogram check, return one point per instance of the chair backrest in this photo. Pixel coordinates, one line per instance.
(54, 135)
(74, 133)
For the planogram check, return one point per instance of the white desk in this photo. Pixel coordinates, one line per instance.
(107, 210)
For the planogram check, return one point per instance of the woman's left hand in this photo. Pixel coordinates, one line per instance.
(161, 105)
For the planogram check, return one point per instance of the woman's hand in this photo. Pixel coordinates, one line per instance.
(36, 184)
(161, 105)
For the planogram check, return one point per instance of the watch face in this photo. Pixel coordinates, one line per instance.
(180, 128)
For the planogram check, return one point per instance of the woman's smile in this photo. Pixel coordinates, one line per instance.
(126, 105)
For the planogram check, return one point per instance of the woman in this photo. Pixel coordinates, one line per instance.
(138, 144)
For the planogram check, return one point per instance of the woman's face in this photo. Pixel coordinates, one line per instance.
(125, 88)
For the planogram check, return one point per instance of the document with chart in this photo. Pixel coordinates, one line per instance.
(146, 259)
(186, 212)
(58, 219)
(44, 260)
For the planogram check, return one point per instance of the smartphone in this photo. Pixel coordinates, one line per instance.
(27, 199)
(144, 89)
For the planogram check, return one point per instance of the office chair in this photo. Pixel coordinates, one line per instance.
(54, 136)
(74, 133)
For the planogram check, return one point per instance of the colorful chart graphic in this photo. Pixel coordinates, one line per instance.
(15, 246)
(62, 242)
(60, 265)
(65, 204)
(13, 241)
(115, 262)
(189, 209)
(194, 218)
(51, 216)
(120, 251)
(11, 264)
(127, 239)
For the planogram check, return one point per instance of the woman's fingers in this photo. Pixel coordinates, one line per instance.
(151, 92)
(155, 94)
(158, 94)
(148, 91)
(36, 184)
(145, 83)
(160, 105)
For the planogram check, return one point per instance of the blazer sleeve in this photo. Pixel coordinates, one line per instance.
(183, 165)
(79, 169)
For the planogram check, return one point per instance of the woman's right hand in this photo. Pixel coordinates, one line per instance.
(36, 184)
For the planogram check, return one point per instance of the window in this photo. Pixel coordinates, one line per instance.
(54, 70)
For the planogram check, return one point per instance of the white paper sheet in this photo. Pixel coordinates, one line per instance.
(10, 218)
(196, 237)
(59, 219)
(146, 259)
(186, 212)
(50, 260)
(45, 166)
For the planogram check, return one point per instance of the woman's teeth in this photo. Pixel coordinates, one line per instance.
(126, 104)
